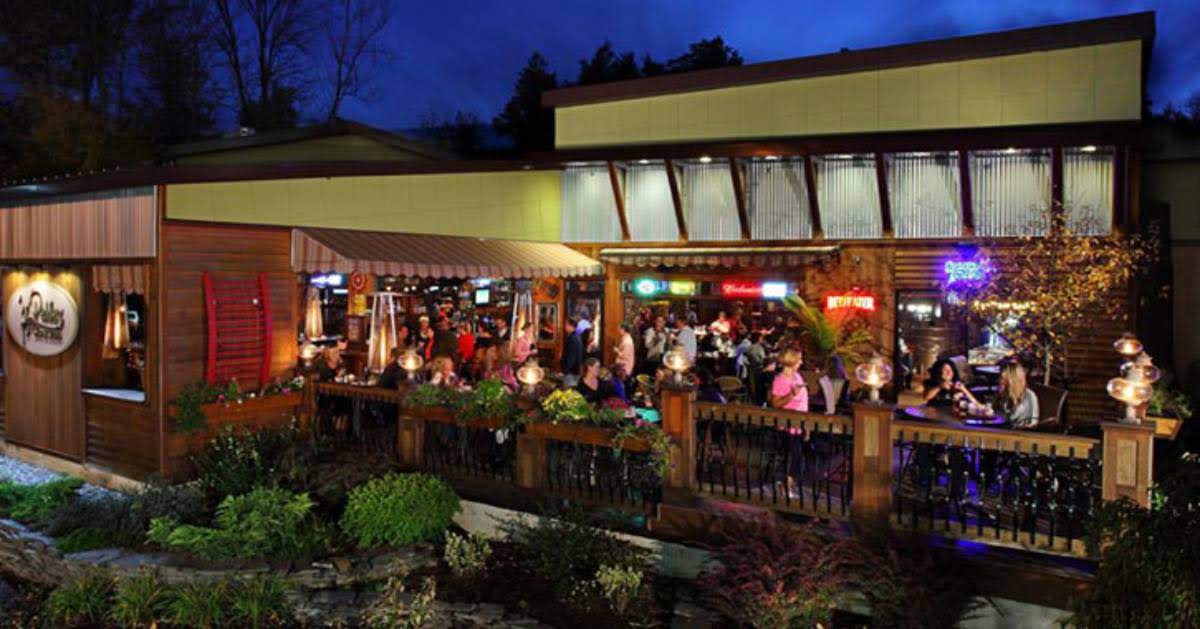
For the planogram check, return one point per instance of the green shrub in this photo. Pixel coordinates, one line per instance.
(200, 605)
(35, 504)
(567, 549)
(489, 399)
(909, 586)
(236, 461)
(85, 599)
(399, 509)
(121, 522)
(263, 523)
(81, 540)
(392, 611)
(466, 556)
(140, 601)
(260, 601)
(184, 503)
(619, 585)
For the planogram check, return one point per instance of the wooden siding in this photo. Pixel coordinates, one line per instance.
(3, 388)
(122, 436)
(190, 249)
(102, 225)
(44, 400)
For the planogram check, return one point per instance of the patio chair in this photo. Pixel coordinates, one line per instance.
(732, 388)
(1052, 403)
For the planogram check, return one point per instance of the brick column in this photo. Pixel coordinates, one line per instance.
(680, 427)
(1128, 465)
(872, 502)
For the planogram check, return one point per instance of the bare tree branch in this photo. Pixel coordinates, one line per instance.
(352, 35)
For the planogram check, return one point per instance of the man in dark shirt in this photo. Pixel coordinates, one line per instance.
(390, 378)
(446, 341)
(572, 356)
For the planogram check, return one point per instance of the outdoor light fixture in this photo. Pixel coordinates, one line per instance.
(704, 159)
(530, 375)
(308, 353)
(677, 361)
(411, 362)
(1135, 386)
(1128, 346)
(874, 374)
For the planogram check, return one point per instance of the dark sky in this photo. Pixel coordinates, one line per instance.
(465, 54)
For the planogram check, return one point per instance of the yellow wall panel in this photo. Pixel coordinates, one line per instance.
(521, 205)
(1083, 84)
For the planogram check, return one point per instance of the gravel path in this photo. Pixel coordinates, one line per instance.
(23, 473)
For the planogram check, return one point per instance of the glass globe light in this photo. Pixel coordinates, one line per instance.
(676, 360)
(1135, 386)
(1128, 345)
(530, 375)
(309, 353)
(874, 374)
(411, 362)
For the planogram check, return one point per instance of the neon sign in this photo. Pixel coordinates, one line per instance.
(850, 301)
(753, 290)
(647, 287)
(681, 287)
(774, 290)
(965, 271)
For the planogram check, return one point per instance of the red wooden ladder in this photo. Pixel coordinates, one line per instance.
(239, 329)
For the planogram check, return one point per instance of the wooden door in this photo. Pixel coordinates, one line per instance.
(44, 397)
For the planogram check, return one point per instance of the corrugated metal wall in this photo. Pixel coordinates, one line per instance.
(778, 200)
(848, 197)
(709, 208)
(925, 195)
(1010, 191)
(1088, 189)
(589, 210)
(648, 206)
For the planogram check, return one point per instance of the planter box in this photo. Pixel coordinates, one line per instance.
(586, 434)
(442, 415)
(272, 411)
(1165, 427)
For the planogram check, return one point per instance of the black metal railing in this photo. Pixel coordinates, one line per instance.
(356, 423)
(603, 475)
(1027, 496)
(785, 460)
(462, 450)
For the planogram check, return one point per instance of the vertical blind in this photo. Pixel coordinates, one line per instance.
(1010, 191)
(709, 207)
(589, 212)
(925, 195)
(1088, 189)
(648, 205)
(778, 200)
(848, 197)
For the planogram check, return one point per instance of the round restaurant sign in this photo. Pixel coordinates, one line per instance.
(42, 318)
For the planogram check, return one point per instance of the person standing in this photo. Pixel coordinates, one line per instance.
(625, 352)
(655, 342)
(788, 392)
(523, 347)
(572, 356)
(685, 336)
(502, 334)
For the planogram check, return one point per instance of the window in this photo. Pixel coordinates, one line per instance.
(709, 207)
(1088, 189)
(1010, 191)
(589, 212)
(925, 195)
(116, 349)
(848, 196)
(648, 205)
(778, 200)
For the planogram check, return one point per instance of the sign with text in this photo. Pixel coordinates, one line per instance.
(42, 318)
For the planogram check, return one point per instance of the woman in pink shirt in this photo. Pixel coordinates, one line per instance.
(788, 392)
(523, 345)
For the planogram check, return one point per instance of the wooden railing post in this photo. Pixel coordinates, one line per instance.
(531, 462)
(410, 435)
(872, 496)
(308, 403)
(1128, 463)
(680, 427)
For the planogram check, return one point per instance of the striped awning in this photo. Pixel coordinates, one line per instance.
(717, 257)
(317, 250)
(129, 279)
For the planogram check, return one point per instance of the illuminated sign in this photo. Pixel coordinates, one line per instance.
(965, 271)
(741, 290)
(328, 279)
(774, 290)
(853, 300)
(681, 287)
(647, 287)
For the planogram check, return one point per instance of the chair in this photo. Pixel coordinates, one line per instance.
(812, 382)
(1052, 403)
(732, 388)
(963, 368)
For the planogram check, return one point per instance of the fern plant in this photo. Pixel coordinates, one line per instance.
(829, 339)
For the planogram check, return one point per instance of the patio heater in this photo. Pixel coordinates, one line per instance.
(314, 320)
(383, 331)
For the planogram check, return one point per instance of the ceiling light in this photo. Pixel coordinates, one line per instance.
(771, 158)
(643, 161)
(704, 159)
(1091, 148)
(1010, 151)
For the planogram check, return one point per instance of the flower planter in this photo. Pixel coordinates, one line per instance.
(272, 411)
(586, 434)
(443, 415)
(1165, 427)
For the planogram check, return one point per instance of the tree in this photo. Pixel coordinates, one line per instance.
(523, 118)
(179, 96)
(461, 133)
(1053, 285)
(265, 44)
(607, 66)
(705, 54)
(351, 34)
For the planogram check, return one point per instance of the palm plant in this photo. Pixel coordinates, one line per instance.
(828, 340)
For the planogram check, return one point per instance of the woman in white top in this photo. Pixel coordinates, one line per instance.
(1017, 403)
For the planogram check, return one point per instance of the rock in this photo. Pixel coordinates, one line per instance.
(342, 564)
(691, 616)
(98, 557)
(8, 594)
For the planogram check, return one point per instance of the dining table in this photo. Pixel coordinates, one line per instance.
(945, 416)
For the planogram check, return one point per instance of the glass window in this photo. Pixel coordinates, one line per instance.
(1010, 191)
(778, 200)
(848, 196)
(648, 205)
(709, 206)
(589, 212)
(1088, 189)
(925, 195)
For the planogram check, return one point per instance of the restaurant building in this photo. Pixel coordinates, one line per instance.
(851, 179)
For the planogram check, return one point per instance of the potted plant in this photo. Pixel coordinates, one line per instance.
(1167, 409)
(832, 344)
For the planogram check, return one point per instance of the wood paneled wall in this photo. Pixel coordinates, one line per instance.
(226, 250)
(44, 401)
(114, 224)
(122, 436)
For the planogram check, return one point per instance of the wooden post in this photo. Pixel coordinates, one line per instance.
(411, 441)
(680, 427)
(531, 462)
(613, 313)
(1128, 464)
(872, 503)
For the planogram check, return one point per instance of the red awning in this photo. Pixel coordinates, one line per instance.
(317, 250)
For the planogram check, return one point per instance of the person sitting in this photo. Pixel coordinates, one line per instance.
(502, 368)
(616, 383)
(441, 372)
(591, 386)
(331, 365)
(1017, 402)
(523, 346)
(707, 389)
(944, 386)
(390, 378)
